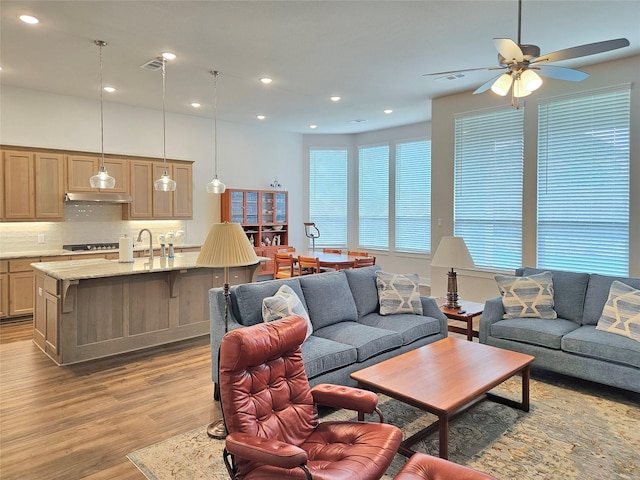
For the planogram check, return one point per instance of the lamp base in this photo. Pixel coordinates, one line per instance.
(452, 300)
(217, 429)
(452, 290)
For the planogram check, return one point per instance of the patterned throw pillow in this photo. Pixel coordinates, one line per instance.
(398, 293)
(283, 304)
(530, 296)
(621, 313)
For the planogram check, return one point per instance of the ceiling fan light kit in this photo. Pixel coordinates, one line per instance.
(525, 65)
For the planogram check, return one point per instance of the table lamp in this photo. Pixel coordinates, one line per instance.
(452, 252)
(226, 246)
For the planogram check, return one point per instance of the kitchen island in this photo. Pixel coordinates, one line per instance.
(88, 309)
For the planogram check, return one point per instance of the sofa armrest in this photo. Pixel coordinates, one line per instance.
(430, 308)
(264, 450)
(340, 396)
(493, 312)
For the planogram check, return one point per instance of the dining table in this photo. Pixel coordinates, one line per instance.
(337, 261)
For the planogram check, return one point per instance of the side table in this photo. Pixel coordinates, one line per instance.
(471, 310)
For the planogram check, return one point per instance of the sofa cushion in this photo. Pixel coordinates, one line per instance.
(362, 282)
(398, 293)
(411, 327)
(328, 298)
(598, 294)
(368, 341)
(321, 355)
(621, 313)
(569, 291)
(536, 331)
(284, 304)
(247, 298)
(528, 296)
(589, 342)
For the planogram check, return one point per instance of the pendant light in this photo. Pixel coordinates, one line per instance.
(102, 179)
(215, 185)
(164, 183)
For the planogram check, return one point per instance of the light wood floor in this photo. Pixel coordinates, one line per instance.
(79, 422)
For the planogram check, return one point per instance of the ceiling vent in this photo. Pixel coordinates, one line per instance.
(452, 76)
(153, 64)
(358, 120)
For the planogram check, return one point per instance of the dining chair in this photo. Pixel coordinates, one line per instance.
(358, 254)
(284, 265)
(331, 250)
(287, 249)
(308, 265)
(364, 262)
(271, 415)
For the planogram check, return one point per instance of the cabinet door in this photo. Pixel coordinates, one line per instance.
(281, 207)
(51, 319)
(49, 186)
(162, 201)
(19, 186)
(141, 186)
(80, 168)
(21, 287)
(4, 294)
(267, 208)
(118, 168)
(183, 196)
(2, 184)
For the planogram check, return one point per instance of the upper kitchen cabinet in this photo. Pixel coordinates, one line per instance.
(141, 187)
(33, 185)
(176, 204)
(80, 168)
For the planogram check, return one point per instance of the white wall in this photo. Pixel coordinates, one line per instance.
(248, 156)
(478, 285)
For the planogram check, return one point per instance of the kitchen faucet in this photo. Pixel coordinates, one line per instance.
(150, 242)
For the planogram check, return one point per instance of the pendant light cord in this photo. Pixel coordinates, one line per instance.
(164, 119)
(215, 74)
(101, 44)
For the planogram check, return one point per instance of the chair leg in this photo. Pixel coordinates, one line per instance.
(229, 463)
(216, 392)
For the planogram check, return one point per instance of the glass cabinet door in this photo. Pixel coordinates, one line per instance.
(267, 207)
(252, 207)
(281, 208)
(237, 207)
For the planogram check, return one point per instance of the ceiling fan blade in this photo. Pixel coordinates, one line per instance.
(486, 86)
(508, 49)
(583, 50)
(460, 71)
(561, 73)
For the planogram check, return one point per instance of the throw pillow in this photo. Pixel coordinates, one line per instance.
(398, 293)
(621, 313)
(530, 296)
(283, 304)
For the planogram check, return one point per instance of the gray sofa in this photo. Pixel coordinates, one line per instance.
(348, 332)
(570, 344)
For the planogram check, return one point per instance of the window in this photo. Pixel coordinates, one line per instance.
(488, 176)
(328, 195)
(583, 183)
(373, 197)
(413, 196)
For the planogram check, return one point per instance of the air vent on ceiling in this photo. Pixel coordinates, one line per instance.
(153, 64)
(358, 120)
(452, 76)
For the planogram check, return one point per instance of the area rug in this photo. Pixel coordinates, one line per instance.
(574, 430)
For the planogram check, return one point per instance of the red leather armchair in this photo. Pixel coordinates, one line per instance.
(425, 467)
(272, 420)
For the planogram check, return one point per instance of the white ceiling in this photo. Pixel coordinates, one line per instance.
(371, 53)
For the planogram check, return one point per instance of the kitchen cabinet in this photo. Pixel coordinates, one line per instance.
(4, 288)
(33, 187)
(21, 286)
(176, 204)
(141, 174)
(80, 169)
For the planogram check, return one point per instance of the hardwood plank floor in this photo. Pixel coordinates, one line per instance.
(80, 421)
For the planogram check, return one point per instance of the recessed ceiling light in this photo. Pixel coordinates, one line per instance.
(29, 19)
(0, 67)
(168, 56)
(313, 126)
(109, 89)
(335, 98)
(195, 104)
(388, 111)
(260, 117)
(266, 80)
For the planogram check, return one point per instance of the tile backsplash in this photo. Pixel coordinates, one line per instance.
(83, 223)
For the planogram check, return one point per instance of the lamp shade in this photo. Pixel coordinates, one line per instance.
(226, 246)
(452, 252)
(502, 85)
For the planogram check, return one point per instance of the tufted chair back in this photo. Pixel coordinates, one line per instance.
(266, 390)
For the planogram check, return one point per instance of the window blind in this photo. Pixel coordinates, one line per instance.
(373, 196)
(328, 195)
(488, 176)
(583, 183)
(413, 197)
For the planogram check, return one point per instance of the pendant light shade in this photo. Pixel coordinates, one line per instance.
(502, 85)
(530, 80)
(519, 89)
(164, 183)
(102, 179)
(215, 185)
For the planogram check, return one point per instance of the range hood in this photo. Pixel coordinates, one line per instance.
(97, 197)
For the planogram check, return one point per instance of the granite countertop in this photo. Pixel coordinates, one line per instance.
(100, 267)
(60, 251)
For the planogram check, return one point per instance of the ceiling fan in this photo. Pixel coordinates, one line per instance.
(524, 65)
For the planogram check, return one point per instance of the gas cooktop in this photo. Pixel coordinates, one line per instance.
(91, 246)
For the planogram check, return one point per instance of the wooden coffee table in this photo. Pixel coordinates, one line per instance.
(446, 378)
